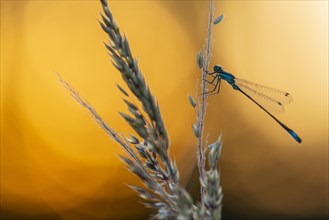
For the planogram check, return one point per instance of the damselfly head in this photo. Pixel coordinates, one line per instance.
(218, 69)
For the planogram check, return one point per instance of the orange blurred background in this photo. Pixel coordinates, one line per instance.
(57, 164)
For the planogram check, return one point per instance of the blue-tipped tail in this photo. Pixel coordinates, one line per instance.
(295, 136)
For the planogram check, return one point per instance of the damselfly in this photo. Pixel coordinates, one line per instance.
(266, 98)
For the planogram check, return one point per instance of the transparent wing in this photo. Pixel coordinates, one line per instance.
(270, 98)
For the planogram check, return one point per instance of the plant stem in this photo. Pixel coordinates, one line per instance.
(203, 104)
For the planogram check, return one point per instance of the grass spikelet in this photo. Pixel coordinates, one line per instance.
(147, 151)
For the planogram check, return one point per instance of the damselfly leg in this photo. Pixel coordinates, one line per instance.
(215, 81)
(216, 88)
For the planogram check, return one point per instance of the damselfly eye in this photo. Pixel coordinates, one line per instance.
(218, 69)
